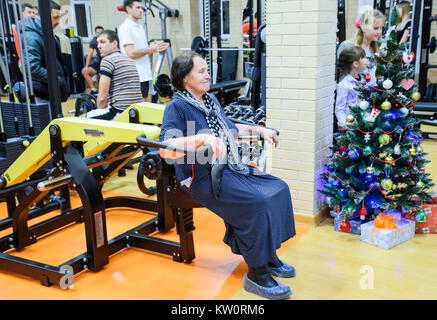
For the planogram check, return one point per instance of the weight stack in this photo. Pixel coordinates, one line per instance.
(41, 117)
(10, 150)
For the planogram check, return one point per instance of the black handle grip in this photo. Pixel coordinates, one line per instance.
(251, 124)
(142, 140)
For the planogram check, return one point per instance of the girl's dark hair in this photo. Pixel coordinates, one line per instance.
(347, 57)
(182, 66)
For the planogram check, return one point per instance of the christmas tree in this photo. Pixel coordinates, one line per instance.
(377, 163)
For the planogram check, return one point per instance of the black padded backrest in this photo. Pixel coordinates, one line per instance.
(229, 65)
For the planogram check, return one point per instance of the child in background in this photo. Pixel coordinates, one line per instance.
(369, 31)
(351, 62)
(404, 23)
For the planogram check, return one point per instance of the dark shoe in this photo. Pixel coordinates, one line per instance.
(274, 293)
(284, 271)
(128, 166)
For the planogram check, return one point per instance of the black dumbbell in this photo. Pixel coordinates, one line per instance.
(247, 113)
(259, 116)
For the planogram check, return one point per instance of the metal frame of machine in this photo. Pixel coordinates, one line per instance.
(113, 144)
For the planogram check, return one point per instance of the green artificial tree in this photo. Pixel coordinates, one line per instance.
(377, 163)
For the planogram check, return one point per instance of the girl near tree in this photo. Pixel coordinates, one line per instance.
(369, 31)
(350, 64)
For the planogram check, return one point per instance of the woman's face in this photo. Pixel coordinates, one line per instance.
(373, 32)
(197, 81)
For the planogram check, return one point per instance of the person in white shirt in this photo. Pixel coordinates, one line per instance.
(351, 62)
(134, 44)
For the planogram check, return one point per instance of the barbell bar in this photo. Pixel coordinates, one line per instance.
(200, 46)
(220, 49)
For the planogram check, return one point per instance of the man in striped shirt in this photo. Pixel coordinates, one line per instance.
(119, 84)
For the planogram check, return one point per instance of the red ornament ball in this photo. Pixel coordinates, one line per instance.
(367, 77)
(343, 148)
(345, 226)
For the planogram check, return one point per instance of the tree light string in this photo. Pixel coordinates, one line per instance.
(382, 90)
(386, 132)
(391, 59)
(353, 190)
(377, 184)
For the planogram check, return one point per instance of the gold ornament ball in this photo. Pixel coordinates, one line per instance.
(415, 96)
(26, 143)
(386, 184)
(350, 118)
(384, 139)
(370, 169)
(386, 105)
(413, 151)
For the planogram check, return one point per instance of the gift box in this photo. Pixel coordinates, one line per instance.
(388, 230)
(354, 223)
(429, 225)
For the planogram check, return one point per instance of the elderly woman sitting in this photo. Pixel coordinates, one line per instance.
(255, 206)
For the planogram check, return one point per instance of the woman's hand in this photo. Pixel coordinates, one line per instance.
(270, 136)
(217, 145)
(194, 142)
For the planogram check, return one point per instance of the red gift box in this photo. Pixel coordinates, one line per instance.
(430, 223)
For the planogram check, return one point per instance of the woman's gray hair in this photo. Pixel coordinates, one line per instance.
(182, 65)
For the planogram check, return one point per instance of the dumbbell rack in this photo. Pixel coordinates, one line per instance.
(251, 151)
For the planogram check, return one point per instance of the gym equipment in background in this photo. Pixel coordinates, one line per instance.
(74, 64)
(20, 117)
(426, 108)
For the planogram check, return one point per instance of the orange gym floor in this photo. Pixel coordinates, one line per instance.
(132, 273)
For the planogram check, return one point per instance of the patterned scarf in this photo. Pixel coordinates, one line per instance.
(220, 129)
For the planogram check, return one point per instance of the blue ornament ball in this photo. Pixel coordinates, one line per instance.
(370, 177)
(354, 154)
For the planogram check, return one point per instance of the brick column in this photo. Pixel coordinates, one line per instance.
(301, 49)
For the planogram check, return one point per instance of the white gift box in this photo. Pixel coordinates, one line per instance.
(387, 238)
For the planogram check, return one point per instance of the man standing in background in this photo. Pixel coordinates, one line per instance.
(134, 44)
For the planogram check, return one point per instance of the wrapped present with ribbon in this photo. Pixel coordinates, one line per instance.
(429, 225)
(425, 218)
(387, 230)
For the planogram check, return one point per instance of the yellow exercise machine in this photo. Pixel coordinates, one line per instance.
(85, 153)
